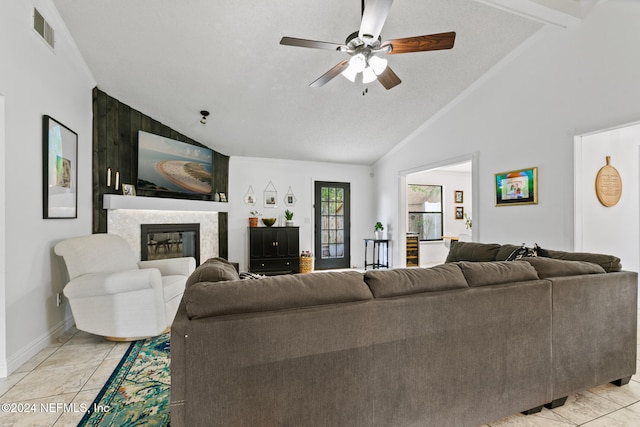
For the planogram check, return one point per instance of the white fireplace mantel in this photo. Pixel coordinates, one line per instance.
(116, 201)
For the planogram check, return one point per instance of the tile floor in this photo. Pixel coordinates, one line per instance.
(55, 386)
(63, 379)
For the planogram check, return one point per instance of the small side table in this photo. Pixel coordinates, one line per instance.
(380, 246)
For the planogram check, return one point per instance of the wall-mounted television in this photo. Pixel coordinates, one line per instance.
(169, 166)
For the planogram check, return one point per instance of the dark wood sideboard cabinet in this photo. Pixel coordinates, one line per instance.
(274, 250)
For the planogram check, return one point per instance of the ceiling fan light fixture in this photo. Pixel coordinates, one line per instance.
(358, 62)
(378, 64)
(350, 73)
(368, 75)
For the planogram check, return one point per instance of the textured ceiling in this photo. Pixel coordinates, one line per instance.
(170, 59)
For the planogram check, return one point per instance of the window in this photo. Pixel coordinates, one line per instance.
(425, 211)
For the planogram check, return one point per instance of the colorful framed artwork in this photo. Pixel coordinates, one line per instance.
(518, 187)
(60, 170)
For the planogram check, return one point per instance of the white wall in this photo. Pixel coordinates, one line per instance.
(436, 252)
(35, 81)
(3, 252)
(300, 176)
(526, 112)
(615, 229)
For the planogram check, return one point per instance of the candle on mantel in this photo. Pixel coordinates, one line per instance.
(117, 180)
(108, 177)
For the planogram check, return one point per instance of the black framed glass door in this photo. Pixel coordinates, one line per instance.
(332, 225)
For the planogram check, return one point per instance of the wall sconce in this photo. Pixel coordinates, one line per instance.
(204, 114)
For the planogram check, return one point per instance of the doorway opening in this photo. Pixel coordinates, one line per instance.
(436, 207)
(611, 229)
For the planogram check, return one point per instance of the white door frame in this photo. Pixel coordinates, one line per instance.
(402, 197)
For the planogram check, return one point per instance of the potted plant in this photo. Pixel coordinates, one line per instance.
(253, 219)
(288, 215)
(468, 222)
(378, 229)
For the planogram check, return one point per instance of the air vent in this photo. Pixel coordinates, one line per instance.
(43, 28)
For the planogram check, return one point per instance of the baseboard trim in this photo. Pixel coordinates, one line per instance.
(28, 351)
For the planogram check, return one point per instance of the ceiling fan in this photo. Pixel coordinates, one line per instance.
(365, 45)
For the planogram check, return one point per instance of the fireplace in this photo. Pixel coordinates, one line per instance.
(127, 221)
(161, 241)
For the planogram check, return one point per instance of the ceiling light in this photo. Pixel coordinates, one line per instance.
(350, 73)
(358, 62)
(368, 75)
(378, 64)
(204, 114)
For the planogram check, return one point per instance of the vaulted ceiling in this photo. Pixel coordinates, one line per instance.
(171, 59)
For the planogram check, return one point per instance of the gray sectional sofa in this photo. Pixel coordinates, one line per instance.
(459, 344)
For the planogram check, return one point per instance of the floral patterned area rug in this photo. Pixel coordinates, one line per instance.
(137, 393)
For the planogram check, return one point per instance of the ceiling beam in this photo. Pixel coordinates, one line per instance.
(561, 13)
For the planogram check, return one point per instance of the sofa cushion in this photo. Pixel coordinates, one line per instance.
(497, 272)
(549, 267)
(213, 270)
(406, 281)
(471, 251)
(208, 299)
(610, 263)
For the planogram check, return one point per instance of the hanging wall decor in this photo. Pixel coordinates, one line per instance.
(270, 196)
(289, 198)
(250, 197)
(60, 170)
(519, 187)
(608, 185)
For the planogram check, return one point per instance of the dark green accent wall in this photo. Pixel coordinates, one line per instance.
(115, 146)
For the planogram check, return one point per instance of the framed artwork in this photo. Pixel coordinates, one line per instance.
(518, 187)
(128, 189)
(270, 196)
(289, 198)
(459, 212)
(222, 197)
(60, 170)
(250, 197)
(458, 196)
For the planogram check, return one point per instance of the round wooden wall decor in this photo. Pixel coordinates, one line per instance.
(608, 185)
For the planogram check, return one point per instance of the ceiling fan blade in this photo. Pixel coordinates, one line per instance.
(422, 43)
(326, 77)
(373, 17)
(389, 79)
(292, 41)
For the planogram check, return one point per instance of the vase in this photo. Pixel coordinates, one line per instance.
(378, 235)
(288, 223)
(253, 222)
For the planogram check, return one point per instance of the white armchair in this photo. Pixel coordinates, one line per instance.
(111, 294)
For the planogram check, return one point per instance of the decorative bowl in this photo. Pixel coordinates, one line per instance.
(269, 221)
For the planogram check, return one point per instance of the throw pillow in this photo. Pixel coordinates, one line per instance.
(522, 252)
(245, 275)
(541, 252)
(213, 270)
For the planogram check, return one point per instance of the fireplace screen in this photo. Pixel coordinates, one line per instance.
(161, 241)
